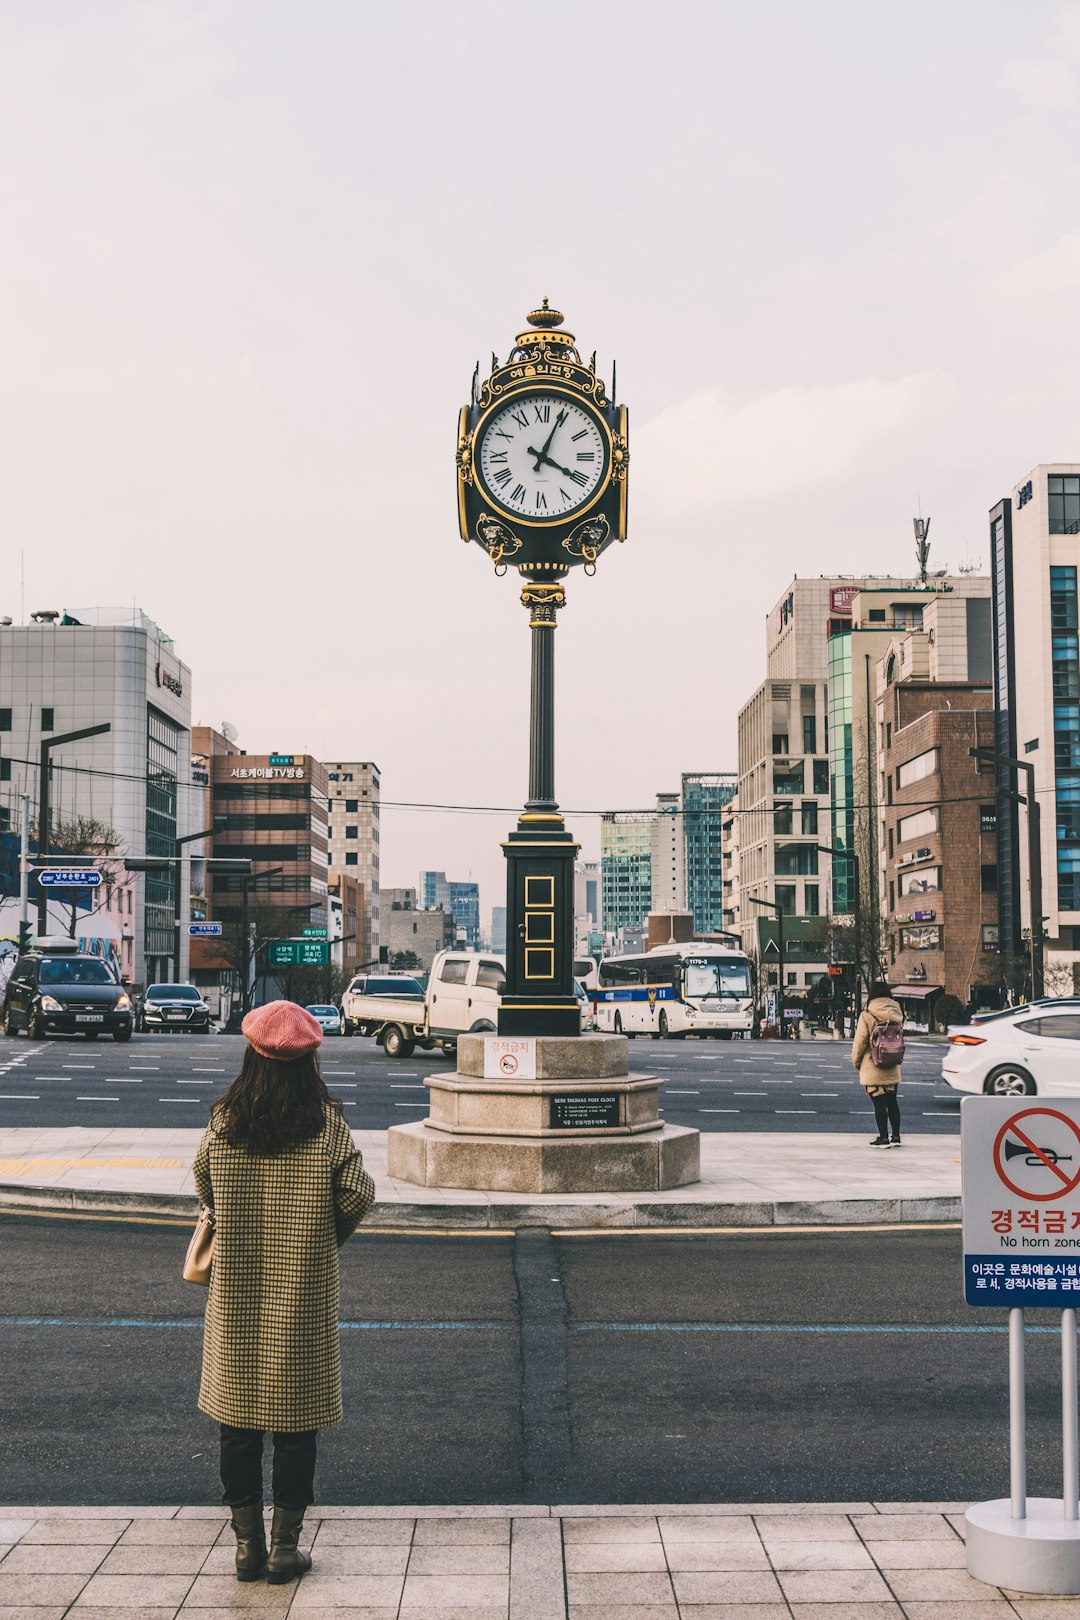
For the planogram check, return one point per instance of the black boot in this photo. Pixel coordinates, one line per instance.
(247, 1523)
(286, 1561)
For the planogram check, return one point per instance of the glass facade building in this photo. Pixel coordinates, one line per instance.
(1008, 854)
(841, 769)
(1065, 668)
(162, 758)
(703, 801)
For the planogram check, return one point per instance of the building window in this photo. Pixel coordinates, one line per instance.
(351, 832)
(1063, 502)
(796, 859)
(790, 780)
(5, 770)
(785, 898)
(988, 877)
(352, 858)
(809, 734)
(821, 776)
(890, 670)
(782, 814)
(918, 825)
(5, 719)
(809, 816)
(779, 742)
(907, 616)
(47, 723)
(351, 807)
(811, 900)
(5, 818)
(927, 880)
(876, 616)
(914, 770)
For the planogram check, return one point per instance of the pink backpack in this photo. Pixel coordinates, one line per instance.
(887, 1045)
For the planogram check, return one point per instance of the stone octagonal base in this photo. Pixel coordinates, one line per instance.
(668, 1157)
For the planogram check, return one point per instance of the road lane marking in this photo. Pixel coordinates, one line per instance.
(98, 1099)
(719, 1110)
(395, 1087)
(78, 1065)
(794, 1110)
(199, 1068)
(128, 1082)
(673, 1092)
(178, 1099)
(18, 1096)
(749, 1093)
(819, 1094)
(195, 1082)
(410, 1105)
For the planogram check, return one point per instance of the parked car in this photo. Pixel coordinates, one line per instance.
(56, 988)
(462, 995)
(330, 1019)
(173, 1006)
(1019, 1052)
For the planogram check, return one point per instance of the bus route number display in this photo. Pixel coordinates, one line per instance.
(1020, 1163)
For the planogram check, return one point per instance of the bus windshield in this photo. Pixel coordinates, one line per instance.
(706, 978)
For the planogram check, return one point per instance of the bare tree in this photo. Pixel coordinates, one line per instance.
(85, 835)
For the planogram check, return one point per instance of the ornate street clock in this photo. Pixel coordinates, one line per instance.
(542, 461)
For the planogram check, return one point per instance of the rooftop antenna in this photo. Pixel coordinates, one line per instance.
(922, 544)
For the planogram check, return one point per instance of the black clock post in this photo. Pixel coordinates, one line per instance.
(542, 462)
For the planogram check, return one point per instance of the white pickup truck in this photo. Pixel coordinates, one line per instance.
(462, 997)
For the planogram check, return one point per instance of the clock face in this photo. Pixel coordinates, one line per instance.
(542, 457)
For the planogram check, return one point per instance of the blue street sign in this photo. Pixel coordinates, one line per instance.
(204, 930)
(69, 877)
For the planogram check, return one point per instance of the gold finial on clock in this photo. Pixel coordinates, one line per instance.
(544, 316)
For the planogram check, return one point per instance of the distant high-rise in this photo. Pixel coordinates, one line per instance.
(705, 796)
(465, 905)
(353, 816)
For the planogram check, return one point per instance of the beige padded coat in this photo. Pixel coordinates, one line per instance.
(271, 1356)
(882, 1010)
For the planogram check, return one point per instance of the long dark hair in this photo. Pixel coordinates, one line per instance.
(273, 1106)
(878, 990)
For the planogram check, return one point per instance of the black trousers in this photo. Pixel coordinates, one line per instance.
(887, 1113)
(241, 1467)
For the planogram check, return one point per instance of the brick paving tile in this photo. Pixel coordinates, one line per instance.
(734, 1611)
(467, 1560)
(904, 1527)
(384, 1613)
(600, 1557)
(134, 1591)
(1032, 1608)
(226, 1592)
(847, 1611)
(819, 1555)
(30, 1590)
(103, 1612)
(804, 1527)
(923, 1507)
(317, 1591)
(976, 1609)
(462, 1532)
(425, 1592)
(68, 1532)
(834, 1586)
(736, 1586)
(919, 1554)
(364, 1533)
(50, 1559)
(939, 1585)
(172, 1533)
(610, 1530)
(624, 1611)
(34, 1614)
(157, 1560)
(718, 1555)
(609, 1588)
(11, 1530)
(710, 1527)
(378, 1559)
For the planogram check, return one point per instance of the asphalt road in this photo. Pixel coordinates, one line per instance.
(166, 1080)
(807, 1366)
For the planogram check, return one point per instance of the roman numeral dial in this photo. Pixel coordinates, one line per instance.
(541, 457)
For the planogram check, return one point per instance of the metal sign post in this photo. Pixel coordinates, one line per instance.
(1021, 1185)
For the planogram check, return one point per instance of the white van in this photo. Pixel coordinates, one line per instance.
(462, 997)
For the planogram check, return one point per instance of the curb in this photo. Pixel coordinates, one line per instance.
(616, 1216)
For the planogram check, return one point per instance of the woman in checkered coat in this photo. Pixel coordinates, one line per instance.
(278, 1167)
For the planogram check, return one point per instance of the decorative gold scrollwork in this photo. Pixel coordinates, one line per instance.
(497, 540)
(588, 539)
(620, 457)
(464, 458)
(543, 603)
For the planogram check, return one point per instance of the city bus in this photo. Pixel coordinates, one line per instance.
(676, 990)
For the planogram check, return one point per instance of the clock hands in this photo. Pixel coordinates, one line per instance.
(558, 468)
(542, 455)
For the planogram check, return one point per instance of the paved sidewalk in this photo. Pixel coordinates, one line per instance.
(840, 1561)
(747, 1179)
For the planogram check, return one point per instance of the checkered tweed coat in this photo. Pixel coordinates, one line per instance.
(271, 1356)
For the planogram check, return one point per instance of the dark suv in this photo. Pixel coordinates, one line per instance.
(58, 988)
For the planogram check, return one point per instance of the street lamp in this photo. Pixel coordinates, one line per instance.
(990, 756)
(542, 462)
(849, 855)
(47, 744)
(774, 905)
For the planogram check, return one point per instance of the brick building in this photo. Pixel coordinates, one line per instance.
(938, 843)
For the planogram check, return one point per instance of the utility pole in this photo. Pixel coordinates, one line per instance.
(178, 893)
(24, 877)
(989, 756)
(774, 905)
(49, 743)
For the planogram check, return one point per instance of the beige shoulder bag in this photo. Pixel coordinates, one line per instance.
(200, 1251)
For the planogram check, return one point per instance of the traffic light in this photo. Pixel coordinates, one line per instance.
(221, 864)
(148, 863)
(26, 934)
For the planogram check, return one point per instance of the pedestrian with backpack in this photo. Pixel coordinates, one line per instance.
(877, 1053)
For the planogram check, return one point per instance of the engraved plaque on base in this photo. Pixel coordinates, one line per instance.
(584, 1111)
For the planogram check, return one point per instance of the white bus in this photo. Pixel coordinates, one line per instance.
(676, 990)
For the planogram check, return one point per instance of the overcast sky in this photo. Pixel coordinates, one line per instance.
(252, 251)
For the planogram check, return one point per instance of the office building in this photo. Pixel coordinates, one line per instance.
(270, 809)
(626, 847)
(704, 800)
(434, 891)
(413, 936)
(1035, 554)
(349, 901)
(465, 906)
(60, 674)
(353, 822)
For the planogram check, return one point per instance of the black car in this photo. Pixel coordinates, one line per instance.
(57, 988)
(173, 1006)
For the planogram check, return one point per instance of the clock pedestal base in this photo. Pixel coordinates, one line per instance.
(575, 1121)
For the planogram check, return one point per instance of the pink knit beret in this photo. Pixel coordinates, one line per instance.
(282, 1030)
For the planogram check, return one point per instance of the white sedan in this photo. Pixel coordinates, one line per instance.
(1020, 1052)
(332, 1019)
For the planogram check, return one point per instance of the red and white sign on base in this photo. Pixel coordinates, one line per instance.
(507, 1057)
(1021, 1185)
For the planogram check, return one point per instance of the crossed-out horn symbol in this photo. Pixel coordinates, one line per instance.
(1013, 1149)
